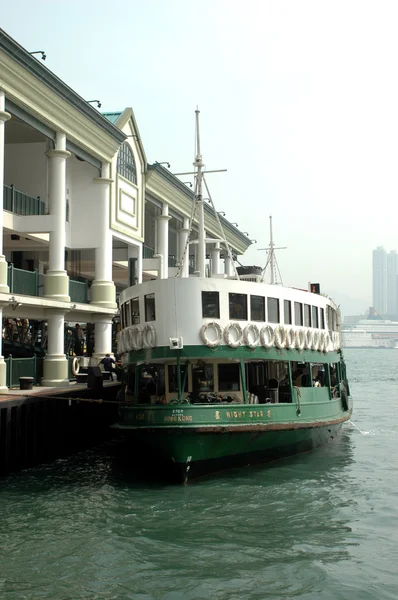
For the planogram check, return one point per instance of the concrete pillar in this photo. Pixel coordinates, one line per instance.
(184, 248)
(163, 241)
(4, 116)
(103, 291)
(228, 266)
(55, 365)
(136, 252)
(215, 259)
(56, 280)
(103, 338)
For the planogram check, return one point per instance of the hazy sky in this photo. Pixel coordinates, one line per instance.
(298, 100)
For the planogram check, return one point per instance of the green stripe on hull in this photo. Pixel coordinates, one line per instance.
(225, 352)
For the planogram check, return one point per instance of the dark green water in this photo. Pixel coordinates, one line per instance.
(320, 525)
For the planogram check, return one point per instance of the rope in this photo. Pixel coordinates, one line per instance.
(93, 400)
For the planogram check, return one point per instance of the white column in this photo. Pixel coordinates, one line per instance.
(4, 116)
(56, 280)
(184, 247)
(103, 291)
(103, 338)
(136, 252)
(55, 365)
(229, 270)
(163, 241)
(215, 259)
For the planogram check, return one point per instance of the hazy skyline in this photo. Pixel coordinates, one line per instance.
(298, 101)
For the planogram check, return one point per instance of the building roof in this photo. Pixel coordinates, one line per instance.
(14, 50)
(112, 116)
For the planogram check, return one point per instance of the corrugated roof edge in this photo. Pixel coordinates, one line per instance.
(188, 192)
(10, 47)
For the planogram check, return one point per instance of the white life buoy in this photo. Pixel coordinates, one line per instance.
(336, 340)
(308, 339)
(149, 336)
(133, 338)
(290, 338)
(251, 335)
(321, 345)
(233, 340)
(327, 342)
(300, 339)
(280, 336)
(316, 338)
(267, 336)
(75, 366)
(120, 345)
(211, 334)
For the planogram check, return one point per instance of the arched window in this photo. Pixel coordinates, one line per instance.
(126, 163)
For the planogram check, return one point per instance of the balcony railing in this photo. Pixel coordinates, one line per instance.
(21, 204)
(22, 282)
(147, 252)
(27, 283)
(78, 291)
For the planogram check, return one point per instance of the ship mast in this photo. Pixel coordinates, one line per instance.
(199, 166)
(271, 260)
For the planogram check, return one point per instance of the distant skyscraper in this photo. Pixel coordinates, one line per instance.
(392, 283)
(380, 280)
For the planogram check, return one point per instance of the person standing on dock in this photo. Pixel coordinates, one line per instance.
(108, 363)
(79, 339)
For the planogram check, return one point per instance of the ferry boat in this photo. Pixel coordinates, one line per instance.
(373, 332)
(224, 371)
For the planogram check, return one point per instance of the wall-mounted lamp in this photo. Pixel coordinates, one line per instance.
(162, 163)
(43, 54)
(245, 232)
(236, 225)
(222, 214)
(93, 101)
(253, 241)
(14, 303)
(187, 183)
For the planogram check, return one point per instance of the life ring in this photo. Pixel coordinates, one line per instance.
(149, 336)
(280, 336)
(300, 339)
(308, 339)
(251, 335)
(327, 342)
(120, 343)
(228, 337)
(290, 338)
(316, 339)
(336, 340)
(267, 336)
(211, 342)
(75, 366)
(134, 338)
(321, 344)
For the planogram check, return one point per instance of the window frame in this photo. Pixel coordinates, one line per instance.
(262, 298)
(301, 314)
(146, 297)
(239, 318)
(315, 312)
(307, 315)
(125, 165)
(207, 316)
(270, 310)
(289, 304)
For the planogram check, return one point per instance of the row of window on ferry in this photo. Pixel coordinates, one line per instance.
(268, 310)
(261, 309)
